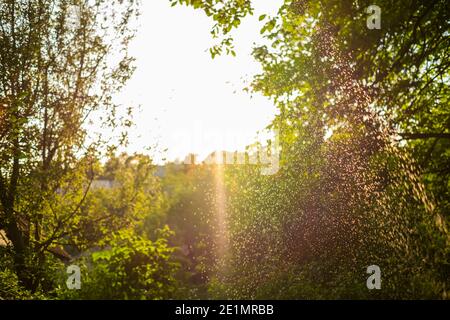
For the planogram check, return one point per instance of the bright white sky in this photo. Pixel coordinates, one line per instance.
(189, 102)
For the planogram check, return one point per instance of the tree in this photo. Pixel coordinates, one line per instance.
(402, 68)
(227, 16)
(60, 61)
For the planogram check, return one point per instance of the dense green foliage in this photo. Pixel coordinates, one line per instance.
(131, 267)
